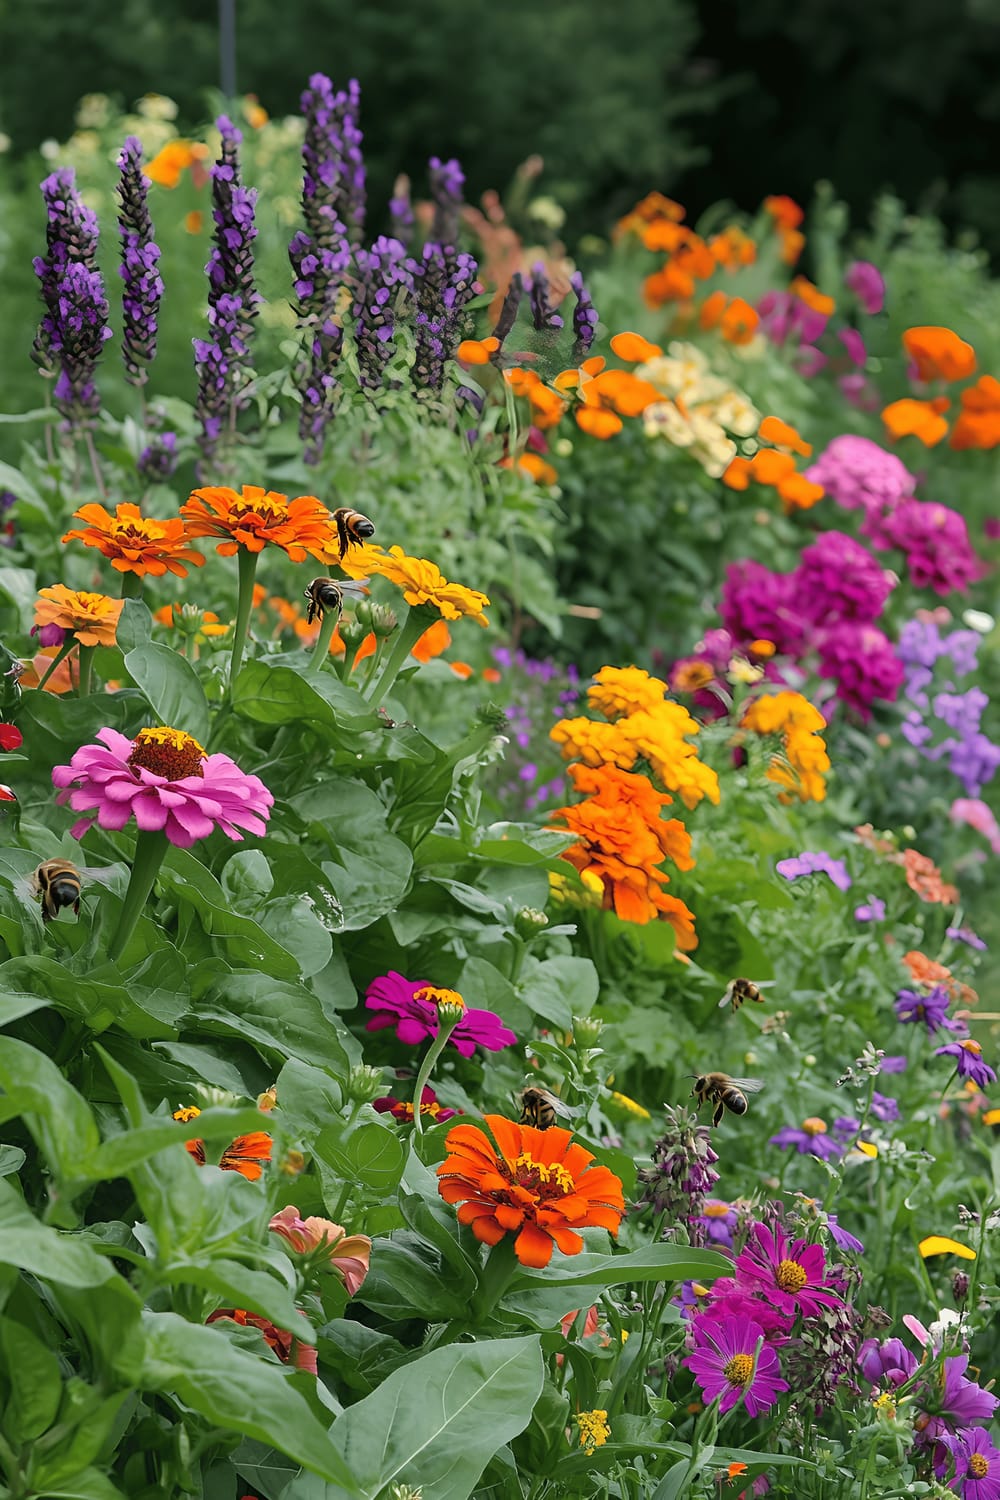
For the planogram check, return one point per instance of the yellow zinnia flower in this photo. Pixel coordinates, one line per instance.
(421, 581)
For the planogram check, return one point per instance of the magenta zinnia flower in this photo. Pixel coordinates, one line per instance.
(166, 781)
(402, 1109)
(727, 1362)
(400, 1002)
(789, 1274)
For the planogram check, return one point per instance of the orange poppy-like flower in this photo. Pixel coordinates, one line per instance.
(633, 348)
(732, 248)
(919, 419)
(92, 618)
(811, 295)
(924, 877)
(169, 162)
(435, 639)
(739, 322)
(665, 237)
(799, 493)
(476, 351)
(710, 313)
(133, 543)
(978, 424)
(939, 354)
(537, 1184)
(256, 517)
(245, 1155)
(768, 466)
(784, 210)
(461, 669)
(598, 423)
(783, 435)
(568, 380)
(926, 971)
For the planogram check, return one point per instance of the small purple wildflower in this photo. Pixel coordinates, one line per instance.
(446, 181)
(815, 862)
(966, 935)
(158, 459)
(808, 1139)
(895, 1063)
(585, 318)
(931, 1009)
(842, 1238)
(872, 911)
(77, 330)
(889, 1361)
(883, 1108)
(968, 1061)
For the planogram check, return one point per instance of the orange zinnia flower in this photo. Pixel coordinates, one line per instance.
(712, 309)
(245, 1155)
(477, 351)
(633, 348)
(670, 284)
(435, 639)
(978, 425)
(301, 527)
(535, 1183)
(135, 544)
(92, 618)
(924, 970)
(811, 295)
(939, 354)
(919, 419)
(169, 162)
(784, 210)
(733, 247)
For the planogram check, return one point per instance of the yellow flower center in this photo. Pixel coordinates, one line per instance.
(790, 1276)
(978, 1466)
(448, 1002)
(262, 510)
(186, 1112)
(739, 1370)
(886, 1402)
(534, 1175)
(716, 1210)
(973, 1047)
(814, 1125)
(594, 1429)
(167, 752)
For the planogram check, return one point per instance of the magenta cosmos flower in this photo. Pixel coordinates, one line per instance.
(412, 1007)
(727, 1362)
(977, 1465)
(790, 1274)
(166, 781)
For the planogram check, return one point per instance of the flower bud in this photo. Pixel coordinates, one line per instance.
(352, 631)
(960, 1286)
(586, 1030)
(529, 922)
(383, 620)
(364, 1083)
(268, 1099)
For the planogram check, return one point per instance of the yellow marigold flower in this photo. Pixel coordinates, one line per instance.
(617, 691)
(786, 710)
(939, 1244)
(594, 743)
(186, 1113)
(991, 1117)
(658, 735)
(594, 1429)
(422, 581)
(802, 768)
(92, 618)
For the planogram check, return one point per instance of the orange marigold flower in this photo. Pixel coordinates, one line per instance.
(768, 466)
(762, 648)
(924, 877)
(939, 354)
(659, 735)
(670, 284)
(783, 435)
(540, 471)
(657, 205)
(598, 423)
(978, 425)
(256, 517)
(924, 970)
(537, 1184)
(491, 674)
(634, 348)
(784, 210)
(461, 669)
(476, 351)
(919, 419)
(435, 639)
(739, 322)
(738, 474)
(134, 543)
(547, 406)
(92, 618)
(799, 493)
(710, 313)
(811, 295)
(696, 259)
(617, 691)
(733, 247)
(664, 236)
(169, 162)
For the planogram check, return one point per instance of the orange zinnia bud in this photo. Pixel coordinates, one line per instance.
(782, 435)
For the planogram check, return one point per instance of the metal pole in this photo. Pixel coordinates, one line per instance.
(227, 48)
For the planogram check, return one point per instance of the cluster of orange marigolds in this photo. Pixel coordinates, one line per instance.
(939, 357)
(643, 737)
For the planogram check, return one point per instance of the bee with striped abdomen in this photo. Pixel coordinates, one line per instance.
(540, 1108)
(329, 594)
(738, 990)
(57, 883)
(352, 527)
(724, 1093)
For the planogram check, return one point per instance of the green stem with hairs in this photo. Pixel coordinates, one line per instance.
(321, 650)
(410, 632)
(445, 1028)
(131, 587)
(60, 656)
(150, 847)
(248, 571)
(86, 661)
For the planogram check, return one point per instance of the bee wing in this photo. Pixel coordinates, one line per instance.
(354, 588)
(727, 997)
(748, 1085)
(103, 875)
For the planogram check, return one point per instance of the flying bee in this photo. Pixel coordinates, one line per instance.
(328, 593)
(724, 1092)
(352, 527)
(57, 883)
(540, 1108)
(738, 990)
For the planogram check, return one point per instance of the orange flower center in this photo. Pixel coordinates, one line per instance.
(167, 752)
(790, 1276)
(263, 510)
(444, 999)
(978, 1466)
(186, 1113)
(814, 1125)
(973, 1047)
(550, 1180)
(716, 1210)
(739, 1369)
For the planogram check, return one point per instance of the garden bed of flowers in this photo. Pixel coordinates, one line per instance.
(497, 844)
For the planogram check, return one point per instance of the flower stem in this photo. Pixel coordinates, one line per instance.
(321, 650)
(248, 569)
(410, 632)
(150, 847)
(131, 586)
(86, 662)
(60, 656)
(445, 1028)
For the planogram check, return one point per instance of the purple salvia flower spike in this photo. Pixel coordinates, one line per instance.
(508, 309)
(447, 181)
(401, 211)
(385, 278)
(76, 331)
(143, 288)
(543, 314)
(444, 286)
(585, 318)
(70, 236)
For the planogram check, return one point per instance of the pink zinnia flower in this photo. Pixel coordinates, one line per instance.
(349, 1254)
(790, 1275)
(402, 1003)
(727, 1362)
(165, 780)
(867, 284)
(978, 815)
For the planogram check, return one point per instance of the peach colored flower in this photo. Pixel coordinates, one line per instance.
(349, 1255)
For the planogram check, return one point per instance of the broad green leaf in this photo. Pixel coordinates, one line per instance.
(406, 1275)
(652, 1263)
(246, 876)
(135, 626)
(185, 878)
(280, 1020)
(58, 1118)
(366, 1152)
(12, 1159)
(21, 588)
(171, 687)
(98, 1003)
(559, 988)
(241, 1393)
(436, 1422)
(270, 694)
(241, 1286)
(368, 869)
(13, 1005)
(670, 1486)
(89, 1484)
(294, 924)
(44, 1251)
(36, 1383)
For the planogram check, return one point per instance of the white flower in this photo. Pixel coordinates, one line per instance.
(978, 619)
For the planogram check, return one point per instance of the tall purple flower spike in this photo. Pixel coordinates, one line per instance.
(143, 289)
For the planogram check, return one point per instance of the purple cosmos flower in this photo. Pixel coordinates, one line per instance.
(717, 1222)
(842, 1238)
(865, 281)
(932, 1008)
(977, 1464)
(815, 862)
(727, 1362)
(954, 1401)
(887, 1361)
(395, 1003)
(790, 1274)
(968, 1060)
(808, 1139)
(883, 1108)
(139, 256)
(873, 911)
(966, 935)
